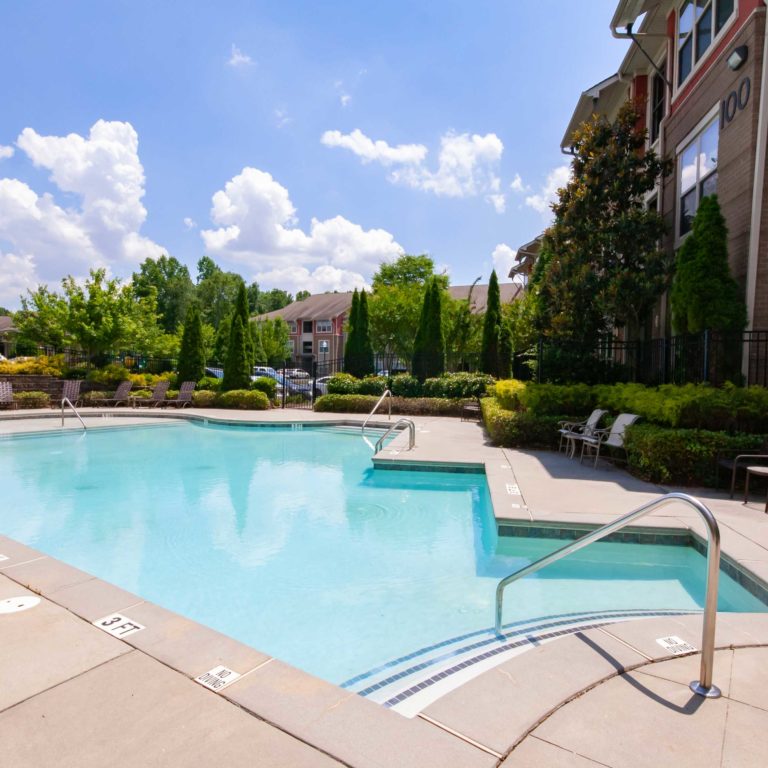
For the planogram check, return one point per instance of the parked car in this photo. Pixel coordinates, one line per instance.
(217, 373)
(292, 386)
(321, 385)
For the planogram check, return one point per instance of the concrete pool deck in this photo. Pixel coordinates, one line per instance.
(75, 695)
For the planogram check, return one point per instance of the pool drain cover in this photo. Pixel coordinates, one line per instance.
(16, 604)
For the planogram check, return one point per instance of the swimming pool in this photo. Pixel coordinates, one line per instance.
(288, 540)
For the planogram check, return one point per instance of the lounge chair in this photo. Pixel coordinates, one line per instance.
(70, 391)
(6, 395)
(738, 462)
(571, 431)
(157, 398)
(120, 396)
(612, 438)
(185, 395)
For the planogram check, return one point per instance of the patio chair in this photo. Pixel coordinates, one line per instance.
(70, 391)
(738, 462)
(120, 395)
(185, 395)
(571, 431)
(612, 438)
(6, 395)
(471, 410)
(157, 398)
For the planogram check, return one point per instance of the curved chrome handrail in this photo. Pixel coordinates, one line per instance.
(375, 408)
(703, 686)
(67, 401)
(411, 434)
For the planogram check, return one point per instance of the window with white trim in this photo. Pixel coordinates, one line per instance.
(699, 22)
(658, 102)
(306, 348)
(697, 173)
(322, 326)
(292, 326)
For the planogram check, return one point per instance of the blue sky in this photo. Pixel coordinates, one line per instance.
(297, 143)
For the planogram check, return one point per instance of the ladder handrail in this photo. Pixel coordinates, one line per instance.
(411, 434)
(703, 686)
(67, 401)
(375, 407)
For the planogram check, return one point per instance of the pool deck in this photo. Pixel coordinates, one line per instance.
(74, 695)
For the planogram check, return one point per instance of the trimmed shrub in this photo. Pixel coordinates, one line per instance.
(372, 385)
(410, 406)
(266, 385)
(458, 385)
(142, 394)
(681, 456)
(343, 384)
(405, 385)
(32, 399)
(210, 383)
(508, 393)
(518, 429)
(95, 394)
(243, 399)
(109, 376)
(35, 366)
(204, 398)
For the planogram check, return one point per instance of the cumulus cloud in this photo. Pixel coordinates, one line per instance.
(105, 175)
(17, 275)
(239, 59)
(189, 222)
(257, 227)
(378, 151)
(466, 164)
(5, 152)
(503, 260)
(282, 118)
(517, 184)
(556, 179)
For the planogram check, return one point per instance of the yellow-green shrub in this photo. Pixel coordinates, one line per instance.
(243, 399)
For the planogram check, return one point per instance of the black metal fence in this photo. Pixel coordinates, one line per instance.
(710, 356)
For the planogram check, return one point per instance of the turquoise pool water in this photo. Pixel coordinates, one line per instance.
(288, 540)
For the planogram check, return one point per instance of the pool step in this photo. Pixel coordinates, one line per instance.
(411, 682)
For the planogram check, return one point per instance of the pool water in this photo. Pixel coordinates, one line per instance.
(290, 541)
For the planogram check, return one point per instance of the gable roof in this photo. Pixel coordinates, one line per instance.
(508, 291)
(6, 324)
(321, 306)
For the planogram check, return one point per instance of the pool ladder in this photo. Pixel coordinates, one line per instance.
(386, 394)
(703, 686)
(411, 434)
(65, 401)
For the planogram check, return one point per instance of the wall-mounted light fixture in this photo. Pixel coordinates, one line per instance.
(737, 57)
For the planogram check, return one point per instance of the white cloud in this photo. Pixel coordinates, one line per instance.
(517, 184)
(345, 98)
(190, 223)
(17, 275)
(282, 118)
(466, 165)
(503, 260)
(542, 201)
(103, 171)
(379, 151)
(256, 226)
(5, 152)
(239, 59)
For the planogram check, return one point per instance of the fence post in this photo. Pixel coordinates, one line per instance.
(285, 380)
(312, 383)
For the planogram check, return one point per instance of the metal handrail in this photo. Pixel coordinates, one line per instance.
(411, 434)
(67, 401)
(703, 686)
(375, 407)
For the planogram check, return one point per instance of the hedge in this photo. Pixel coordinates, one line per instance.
(243, 399)
(266, 385)
(682, 456)
(408, 406)
(36, 366)
(519, 429)
(32, 399)
(449, 385)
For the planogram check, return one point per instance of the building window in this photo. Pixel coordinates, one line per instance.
(291, 347)
(306, 326)
(306, 347)
(323, 326)
(323, 347)
(695, 31)
(658, 102)
(697, 171)
(292, 326)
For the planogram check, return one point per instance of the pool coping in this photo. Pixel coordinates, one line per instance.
(330, 718)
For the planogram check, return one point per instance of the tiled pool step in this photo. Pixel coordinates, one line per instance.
(411, 682)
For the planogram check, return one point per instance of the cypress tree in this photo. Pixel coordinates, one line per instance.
(350, 348)
(242, 311)
(491, 328)
(435, 341)
(419, 363)
(259, 355)
(363, 333)
(505, 350)
(237, 369)
(192, 352)
(221, 342)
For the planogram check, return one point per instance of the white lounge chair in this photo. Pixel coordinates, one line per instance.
(571, 431)
(613, 437)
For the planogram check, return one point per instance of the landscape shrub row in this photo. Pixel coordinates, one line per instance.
(691, 406)
(31, 399)
(405, 406)
(243, 399)
(519, 429)
(450, 385)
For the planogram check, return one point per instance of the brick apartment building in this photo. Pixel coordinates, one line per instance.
(697, 70)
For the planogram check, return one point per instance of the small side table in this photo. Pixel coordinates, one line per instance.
(760, 472)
